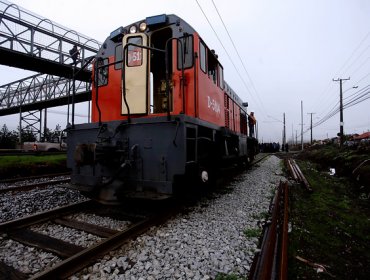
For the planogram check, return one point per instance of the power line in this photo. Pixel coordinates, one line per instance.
(353, 52)
(356, 83)
(362, 95)
(64, 113)
(330, 85)
(237, 52)
(227, 53)
(358, 57)
(356, 93)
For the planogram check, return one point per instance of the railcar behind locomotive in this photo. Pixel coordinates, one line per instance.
(161, 112)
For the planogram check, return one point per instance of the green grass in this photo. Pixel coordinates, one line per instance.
(222, 276)
(9, 161)
(252, 232)
(263, 215)
(330, 226)
(13, 166)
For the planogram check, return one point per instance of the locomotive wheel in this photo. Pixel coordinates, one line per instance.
(251, 157)
(243, 162)
(206, 176)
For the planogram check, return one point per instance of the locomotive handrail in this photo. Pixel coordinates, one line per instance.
(96, 82)
(123, 80)
(125, 50)
(74, 87)
(167, 76)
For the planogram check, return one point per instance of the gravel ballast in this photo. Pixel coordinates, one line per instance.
(21, 204)
(207, 241)
(26, 203)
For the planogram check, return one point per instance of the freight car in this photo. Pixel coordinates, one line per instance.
(161, 113)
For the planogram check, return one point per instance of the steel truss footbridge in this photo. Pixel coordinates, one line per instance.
(31, 42)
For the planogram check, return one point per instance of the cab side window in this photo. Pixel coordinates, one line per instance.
(102, 71)
(212, 66)
(118, 56)
(202, 55)
(185, 52)
(221, 72)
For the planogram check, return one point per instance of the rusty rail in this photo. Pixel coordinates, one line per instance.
(271, 262)
(297, 173)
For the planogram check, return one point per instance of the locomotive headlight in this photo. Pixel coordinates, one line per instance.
(142, 26)
(133, 29)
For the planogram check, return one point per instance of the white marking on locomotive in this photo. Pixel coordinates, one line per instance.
(214, 105)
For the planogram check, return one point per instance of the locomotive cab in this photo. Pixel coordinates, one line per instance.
(150, 70)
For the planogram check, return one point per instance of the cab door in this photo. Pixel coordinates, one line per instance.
(135, 75)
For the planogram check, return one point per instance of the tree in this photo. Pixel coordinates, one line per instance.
(8, 139)
(27, 135)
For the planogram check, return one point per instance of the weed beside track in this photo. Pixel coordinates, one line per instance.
(330, 227)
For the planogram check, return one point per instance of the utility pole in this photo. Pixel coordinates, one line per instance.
(341, 123)
(45, 123)
(311, 124)
(292, 135)
(284, 136)
(296, 138)
(302, 125)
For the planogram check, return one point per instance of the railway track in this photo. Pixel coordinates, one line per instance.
(260, 157)
(272, 261)
(74, 258)
(27, 187)
(22, 179)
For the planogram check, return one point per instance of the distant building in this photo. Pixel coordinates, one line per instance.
(365, 135)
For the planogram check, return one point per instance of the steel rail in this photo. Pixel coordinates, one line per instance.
(34, 186)
(283, 273)
(260, 159)
(13, 180)
(272, 261)
(83, 257)
(291, 169)
(86, 257)
(298, 175)
(45, 216)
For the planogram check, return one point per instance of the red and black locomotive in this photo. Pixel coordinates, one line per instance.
(161, 113)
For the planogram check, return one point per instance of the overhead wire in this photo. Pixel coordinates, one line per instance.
(64, 113)
(364, 96)
(227, 53)
(353, 94)
(353, 53)
(340, 72)
(361, 95)
(239, 56)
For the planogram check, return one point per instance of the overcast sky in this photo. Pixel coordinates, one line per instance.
(288, 51)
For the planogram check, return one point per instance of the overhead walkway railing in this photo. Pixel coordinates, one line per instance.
(40, 91)
(35, 43)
